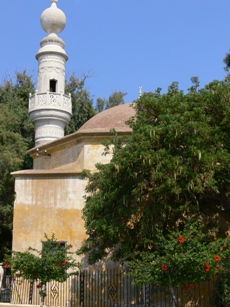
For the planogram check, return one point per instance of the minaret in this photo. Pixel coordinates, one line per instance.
(49, 108)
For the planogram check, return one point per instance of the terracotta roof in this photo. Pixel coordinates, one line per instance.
(113, 118)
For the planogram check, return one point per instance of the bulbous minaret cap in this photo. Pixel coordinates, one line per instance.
(53, 20)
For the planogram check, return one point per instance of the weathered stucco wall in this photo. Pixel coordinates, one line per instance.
(49, 198)
(93, 153)
(76, 155)
(48, 204)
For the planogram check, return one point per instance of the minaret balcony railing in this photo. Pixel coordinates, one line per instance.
(50, 100)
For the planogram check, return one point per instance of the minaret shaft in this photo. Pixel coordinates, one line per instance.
(49, 108)
(51, 73)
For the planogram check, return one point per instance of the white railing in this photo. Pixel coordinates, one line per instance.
(50, 100)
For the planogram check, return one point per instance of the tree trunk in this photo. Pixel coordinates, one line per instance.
(42, 295)
(173, 295)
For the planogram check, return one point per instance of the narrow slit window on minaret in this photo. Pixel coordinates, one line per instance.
(53, 85)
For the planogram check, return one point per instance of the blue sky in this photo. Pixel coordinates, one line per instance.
(123, 44)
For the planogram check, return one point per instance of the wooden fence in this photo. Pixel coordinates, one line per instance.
(111, 288)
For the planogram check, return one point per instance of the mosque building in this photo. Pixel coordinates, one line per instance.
(50, 197)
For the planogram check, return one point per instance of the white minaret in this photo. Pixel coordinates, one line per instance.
(49, 108)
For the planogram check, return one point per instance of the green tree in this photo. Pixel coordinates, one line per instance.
(115, 99)
(14, 95)
(53, 262)
(82, 104)
(227, 60)
(185, 258)
(175, 166)
(16, 136)
(12, 151)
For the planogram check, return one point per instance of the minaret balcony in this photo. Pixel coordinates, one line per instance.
(50, 100)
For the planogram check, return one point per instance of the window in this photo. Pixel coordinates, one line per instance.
(53, 86)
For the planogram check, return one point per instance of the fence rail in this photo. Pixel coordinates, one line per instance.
(111, 288)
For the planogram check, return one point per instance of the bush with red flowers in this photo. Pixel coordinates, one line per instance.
(186, 257)
(53, 262)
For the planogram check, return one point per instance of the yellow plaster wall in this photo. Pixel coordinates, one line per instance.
(68, 157)
(50, 198)
(93, 153)
(76, 155)
(48, 205)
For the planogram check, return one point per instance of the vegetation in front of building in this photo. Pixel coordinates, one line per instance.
(168, 180)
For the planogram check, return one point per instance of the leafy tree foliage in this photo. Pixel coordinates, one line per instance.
(82, 104)
(14, 95)
(16, 136)
(115, 99)
(53, 262)
(184, 258)
(227, 60)
(173, 168)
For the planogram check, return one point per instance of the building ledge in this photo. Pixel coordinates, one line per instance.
(52, 172)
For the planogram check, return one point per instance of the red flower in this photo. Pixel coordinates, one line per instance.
(207, 268)
(60, 264)
(214, 276)
(70, 245)
(191, 285)
(66, 261)
(217, 267)
(216, 258)
(6, 266)
(38, 286)
(180, 240)
(164, 267)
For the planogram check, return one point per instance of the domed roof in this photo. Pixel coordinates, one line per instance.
(113, 118)
(53, 20)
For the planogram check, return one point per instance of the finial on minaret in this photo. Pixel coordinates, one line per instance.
(53, 20)
(53, 2)
(140, 91)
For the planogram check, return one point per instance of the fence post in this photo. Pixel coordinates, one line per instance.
(147, 295)
(31, 291)
(1, 275)
(4, 283)
(82, 288)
